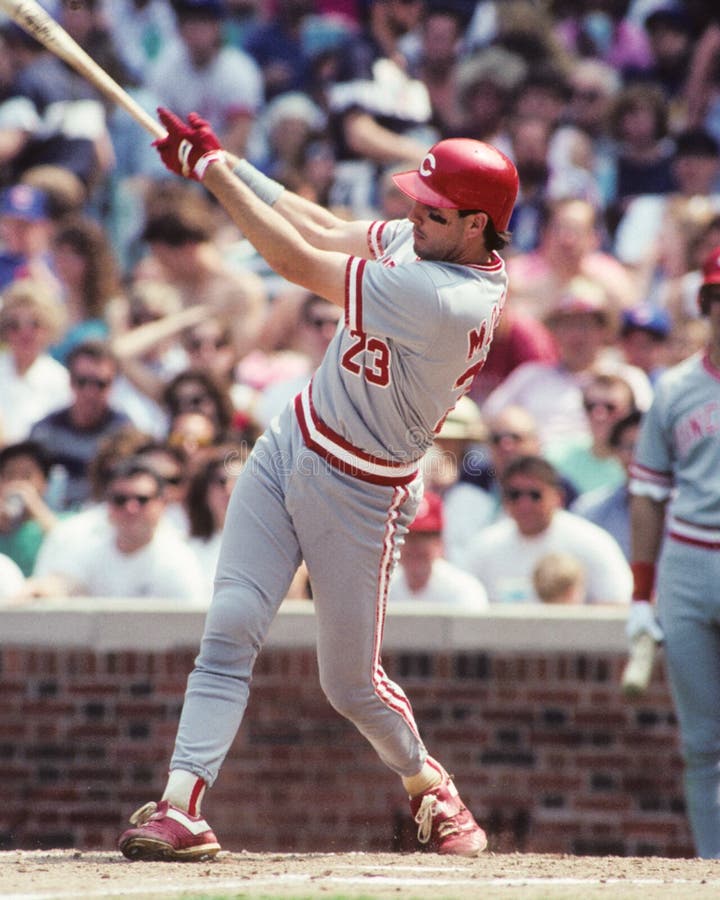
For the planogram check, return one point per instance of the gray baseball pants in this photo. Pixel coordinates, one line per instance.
(689, 612)
(288, 505)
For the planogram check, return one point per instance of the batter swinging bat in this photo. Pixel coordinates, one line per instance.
(638, 669)
(31, 17)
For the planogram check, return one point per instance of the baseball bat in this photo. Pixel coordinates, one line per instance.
(36, 21)
(639, 667)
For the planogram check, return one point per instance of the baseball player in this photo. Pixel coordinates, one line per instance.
(675, 526)
(334, 480)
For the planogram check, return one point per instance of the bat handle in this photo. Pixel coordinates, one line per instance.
(639, 667)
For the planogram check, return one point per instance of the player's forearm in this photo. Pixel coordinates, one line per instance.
(316, 224)
(280, 244)
(320, 227)
(647, 523)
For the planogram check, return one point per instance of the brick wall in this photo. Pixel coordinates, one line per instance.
(545, 750)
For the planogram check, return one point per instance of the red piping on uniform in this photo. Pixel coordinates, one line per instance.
(195, 795)
(391, 479)
(695, 542)
(389, 693)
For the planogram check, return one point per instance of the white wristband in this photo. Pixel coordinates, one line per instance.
(267, 189)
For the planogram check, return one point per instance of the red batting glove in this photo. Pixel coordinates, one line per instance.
(189, 148)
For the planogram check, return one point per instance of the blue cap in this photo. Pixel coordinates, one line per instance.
(646, 317)
(22, 201)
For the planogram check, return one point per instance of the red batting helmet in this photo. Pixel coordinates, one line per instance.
(460, 173)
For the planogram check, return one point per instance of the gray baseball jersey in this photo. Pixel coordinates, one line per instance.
(678, 459)
(678, 452)
(415, 335)
(334, 480)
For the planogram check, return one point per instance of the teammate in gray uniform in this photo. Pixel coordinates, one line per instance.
(675, 525)
(334, 480)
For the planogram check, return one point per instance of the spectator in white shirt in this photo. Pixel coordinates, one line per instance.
(33, 383)
(504, 555)
(128, 553)
(424, 575)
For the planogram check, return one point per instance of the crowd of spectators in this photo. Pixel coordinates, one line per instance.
(145, 345)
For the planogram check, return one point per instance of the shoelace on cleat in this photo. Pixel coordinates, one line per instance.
(144, 813)
(424, 818)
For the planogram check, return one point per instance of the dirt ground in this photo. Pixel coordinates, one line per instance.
(71, 875)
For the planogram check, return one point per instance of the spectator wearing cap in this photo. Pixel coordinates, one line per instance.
(644, 338)
(199, 73)
(505, 554)
(26, 231)
(286, 126)
(487, 83)
(423, 574)
(582, 324)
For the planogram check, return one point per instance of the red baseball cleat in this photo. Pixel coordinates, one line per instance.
(164, 833)
(444, 822)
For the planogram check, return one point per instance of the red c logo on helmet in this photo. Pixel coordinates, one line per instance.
(427, 166)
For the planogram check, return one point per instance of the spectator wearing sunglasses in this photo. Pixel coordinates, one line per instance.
(33, 383)
(129, 553)
(209, 346)
(171, 463)
(197, 391)
(511, 433)
(504, 555)
(71, 435)
(590, 461)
